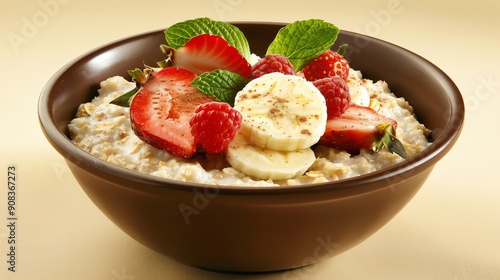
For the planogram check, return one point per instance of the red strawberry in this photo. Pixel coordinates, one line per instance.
(214, 125)
(161, 109)
(272, 63)
(361, 128)
(327, 64)
(206, 52)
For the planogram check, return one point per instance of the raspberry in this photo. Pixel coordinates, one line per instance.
(272, 63)
(336, 92)
(214, 125)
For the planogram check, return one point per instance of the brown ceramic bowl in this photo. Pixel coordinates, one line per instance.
(253, 229)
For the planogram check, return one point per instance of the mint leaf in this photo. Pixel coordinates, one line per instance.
(124, 99)
(222, 85)
(303, 41)
(178, 34)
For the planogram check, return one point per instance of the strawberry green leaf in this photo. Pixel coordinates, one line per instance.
(138, 75)
(124, 99)
(389, 141)
(342, 49)
(180, 33)
(222, 85)
(303, 41)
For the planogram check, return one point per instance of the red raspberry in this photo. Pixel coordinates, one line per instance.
(272, 63)
(214, 125)
(336, 92)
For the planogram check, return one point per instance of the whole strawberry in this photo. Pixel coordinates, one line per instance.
(272, 63)
(328, 64)
(336, 93)
(214, 126)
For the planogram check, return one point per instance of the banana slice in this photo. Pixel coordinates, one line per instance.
(281, 112)
(359, 94)
(266, 163)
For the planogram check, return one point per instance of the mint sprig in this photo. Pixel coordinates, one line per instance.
(178, 34)
(221, 85)
(302, 41)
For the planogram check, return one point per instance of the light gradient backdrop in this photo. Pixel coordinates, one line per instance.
(450, 230)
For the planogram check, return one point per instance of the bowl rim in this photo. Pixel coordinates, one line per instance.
(395, 173)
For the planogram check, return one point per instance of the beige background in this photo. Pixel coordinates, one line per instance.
(450, 230)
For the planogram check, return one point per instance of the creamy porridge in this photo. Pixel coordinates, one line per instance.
(104, 131)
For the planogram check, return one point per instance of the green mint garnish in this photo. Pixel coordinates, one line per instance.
(178, 34)
(222, 85)
(302, 41)
(124, 99)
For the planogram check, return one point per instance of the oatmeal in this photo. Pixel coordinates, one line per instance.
(104, 131)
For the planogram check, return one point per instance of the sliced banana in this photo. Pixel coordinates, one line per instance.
(281, 112)
(374, 104)
(266, 163)
(359, 94)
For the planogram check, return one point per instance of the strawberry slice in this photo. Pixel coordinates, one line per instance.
(207, 52)
(362, 128)
(161, 110)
